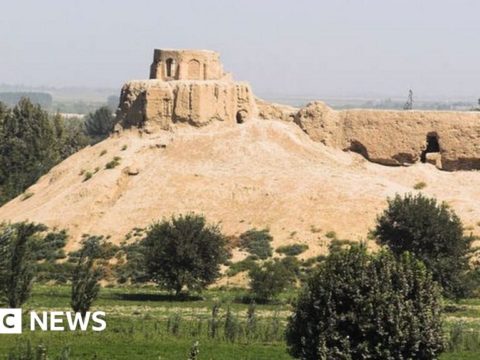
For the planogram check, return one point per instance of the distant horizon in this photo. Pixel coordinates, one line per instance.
(302, 48)
(267, 95)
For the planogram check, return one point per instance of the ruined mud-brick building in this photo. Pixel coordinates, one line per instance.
(190, 87)
(185, 86)
(449, 140)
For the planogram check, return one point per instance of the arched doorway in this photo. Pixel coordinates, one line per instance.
(432, 146)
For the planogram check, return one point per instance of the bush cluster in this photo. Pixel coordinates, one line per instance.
(361, 306)
(257, 243)
(270, 279)
(113, 163)
(292, 250)
(244, 265)
(434, 234)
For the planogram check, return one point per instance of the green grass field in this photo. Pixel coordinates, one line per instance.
(143, 323)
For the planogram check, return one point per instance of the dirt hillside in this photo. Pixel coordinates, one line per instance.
(263, 173)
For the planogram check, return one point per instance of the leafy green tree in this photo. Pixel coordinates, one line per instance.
(87, 273)
(17, 261)
(27, 148)
(433, 233)
(270, 279)
(361, 306)
(100, 124)
(257, 243)
(31, 143)
(184, 252)
(70, 135)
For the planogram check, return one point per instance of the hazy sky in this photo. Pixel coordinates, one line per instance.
(295, 47)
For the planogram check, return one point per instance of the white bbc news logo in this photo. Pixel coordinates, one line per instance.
(11, 321)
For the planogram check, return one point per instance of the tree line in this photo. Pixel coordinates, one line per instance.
(32, 141)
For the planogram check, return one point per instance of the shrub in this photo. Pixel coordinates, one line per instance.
(338, 245)
(103, 152)
(257, 243)
(27, 195)
(131, 266)
(269, 280)
(184, 252)
(433, 233)
(292, 250)
(293, 266)
(113, 163)
(124, 147)
(243, 265)
(87, 176)
(311, 261)
(50, 247)
(60, 273)
(331, 235)
(361, 306)
(420, 185)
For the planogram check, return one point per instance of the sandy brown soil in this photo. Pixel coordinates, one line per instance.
(259, 174)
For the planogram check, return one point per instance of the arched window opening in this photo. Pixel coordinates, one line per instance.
(170, 67)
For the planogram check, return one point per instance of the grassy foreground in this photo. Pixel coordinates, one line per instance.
(143, 323)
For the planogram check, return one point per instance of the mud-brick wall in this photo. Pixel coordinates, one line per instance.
(162, 104)
(397, 137)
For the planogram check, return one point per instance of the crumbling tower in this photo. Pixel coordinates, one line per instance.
(185, 86)
(186, 65)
